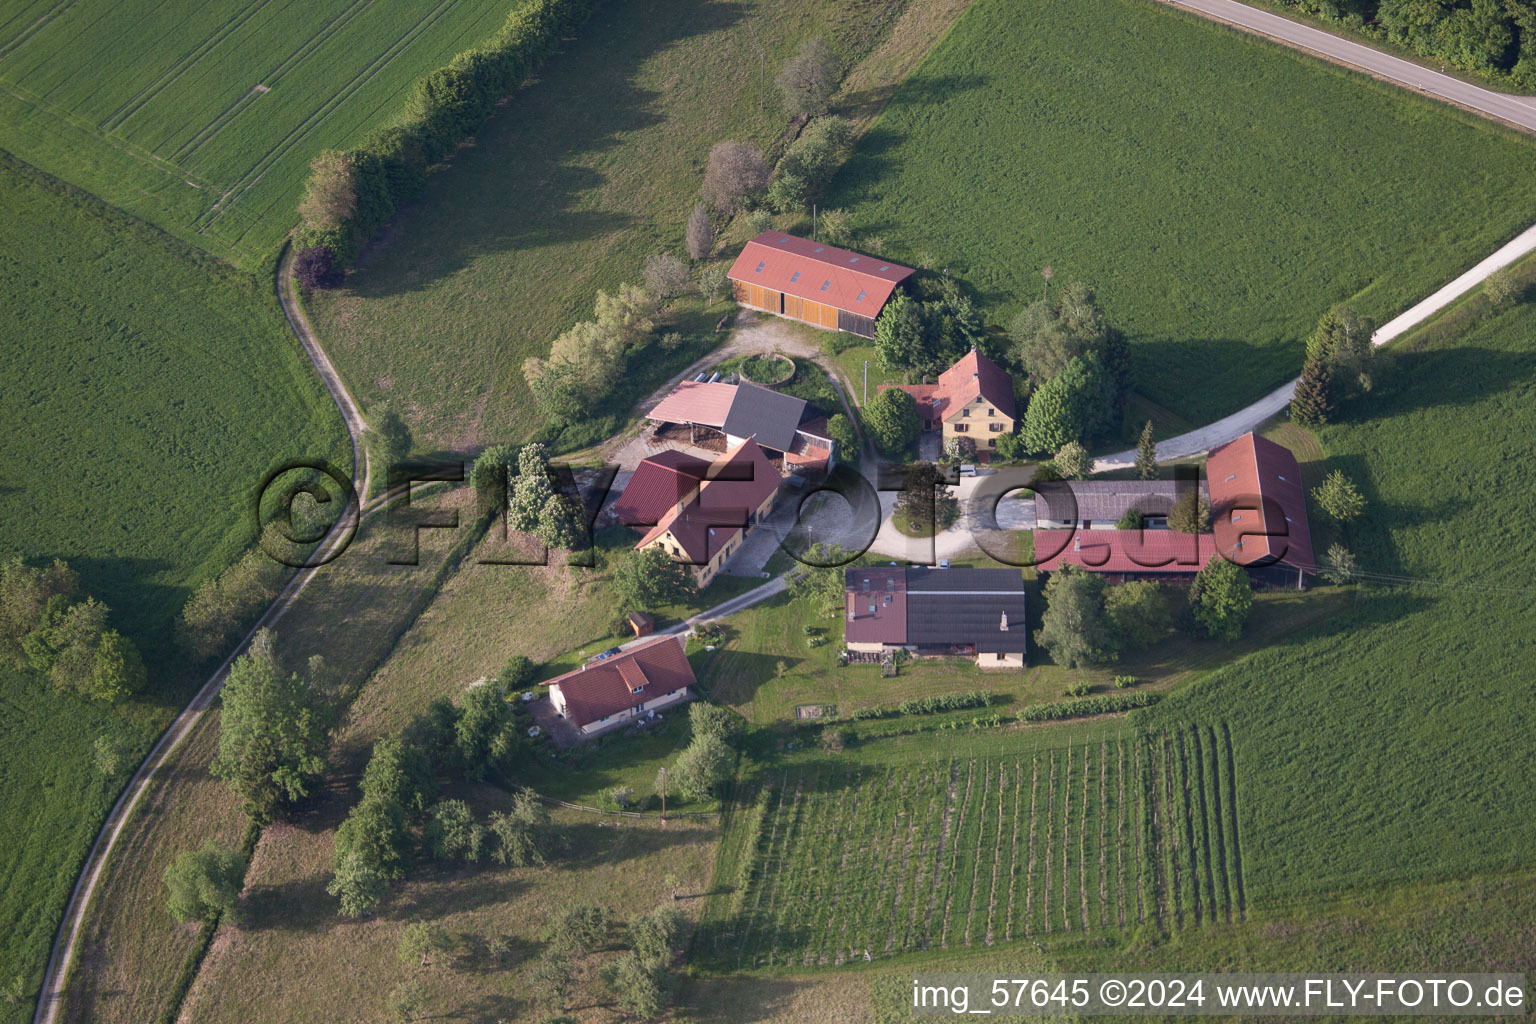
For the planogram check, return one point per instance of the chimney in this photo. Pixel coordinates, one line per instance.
(1077, 543)
(1004, 626)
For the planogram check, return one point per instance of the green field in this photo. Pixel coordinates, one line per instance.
(146, 392)
(567, 190)
(836, 863)
(205, 125)
(1220, 192)
(1395, 738)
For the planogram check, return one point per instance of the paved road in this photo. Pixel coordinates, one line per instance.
(1517, 110)
(51, 995)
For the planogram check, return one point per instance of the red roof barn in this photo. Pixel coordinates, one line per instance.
(814, 283)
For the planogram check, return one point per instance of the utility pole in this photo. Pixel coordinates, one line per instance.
(813, 223)
(661, 775)
(866, 383)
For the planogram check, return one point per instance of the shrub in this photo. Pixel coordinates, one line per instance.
(1103, 704)
(1079, 689)
(1502, 287)
(944, 702)
(1125, 682)
(315, 268)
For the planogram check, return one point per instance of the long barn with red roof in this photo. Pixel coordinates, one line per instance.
(814, 283)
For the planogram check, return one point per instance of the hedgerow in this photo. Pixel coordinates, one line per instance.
(443, 109)
(1101, 705)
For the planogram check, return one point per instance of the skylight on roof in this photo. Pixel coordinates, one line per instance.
(1281, 477)
(853, 259)
(794, 277)
(861, 296)
(761, 265)
(784, 239)
(818, 248)
(886, 267)
(1231, 477)
(825, 285)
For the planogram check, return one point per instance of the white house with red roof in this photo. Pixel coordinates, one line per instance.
(814, 283)
(605, 694)
(973, 399)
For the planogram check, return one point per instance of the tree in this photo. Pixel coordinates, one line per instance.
(562, 523)
(108, 756)
(522, 832)
(453, 833)
(819, 583)
(330, 198)
(117, 670)
(665, 275)
(406, 1001)
(840, 430)
(700, 233)
(579, 928)
(204, 884)
(400, 773)
(1146, 454)
(533, 488)
(359, 886)
(493, 470)
(706, 719)
(759, 220)
(702, 767)
(926, 501)
(1312, 403)
(1339, 566)
(1130, 519)
(653, 935)
(374, 833)
(25, 594)
(1075, 405)
(1502, 287)
(711, 281)
(1190, 512)
(219, 609)
(315, 268)
(272, 737)
(1138, 614)
(735, 170)
(648, 579)
(516, 674)
(1073, 461)
(640, 986)
(892, 421)
(1343, 341)
(1221, 596)
(809, 78)
(835, 225)
(388, 440)
(1049, 334)
(485, 732)
(627, 315)
(900, 341)
(1338, 497)
(552, 978)
(1074, 628)
(788, 193)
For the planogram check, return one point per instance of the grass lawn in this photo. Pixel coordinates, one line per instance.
(147, 390)
(591, 168)
(206, 125)
(1220, 192)
(1394, 735)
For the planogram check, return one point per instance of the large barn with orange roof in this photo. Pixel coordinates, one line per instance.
(815, 283)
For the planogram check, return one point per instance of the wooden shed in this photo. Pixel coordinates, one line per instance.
(641, 623)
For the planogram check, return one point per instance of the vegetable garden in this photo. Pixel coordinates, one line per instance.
(857, 864)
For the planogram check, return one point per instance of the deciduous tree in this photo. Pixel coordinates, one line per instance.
(1221, 597)
(702, 768)
(649, 579)
(1339, 566)
(1190, 512)
(892, 421)
(1338, 497)
(1073, 462)
(735, 170)
(1074, 627)
(700, 233)
(205, 883)
(665, 275)
(809, 78)
(1138, 614)
(522, 833)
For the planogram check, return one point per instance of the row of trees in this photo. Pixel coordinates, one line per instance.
(1088, 621)
(46, 626)
(1492, 37)
(641, 978)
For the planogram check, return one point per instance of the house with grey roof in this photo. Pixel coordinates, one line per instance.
(968, 613)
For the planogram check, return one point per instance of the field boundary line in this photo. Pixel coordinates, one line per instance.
(37, 25)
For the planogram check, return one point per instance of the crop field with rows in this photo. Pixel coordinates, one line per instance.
(1092, 837)
(205, 125)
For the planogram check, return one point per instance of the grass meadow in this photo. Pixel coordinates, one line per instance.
(206, 125)
(147, 391)
(1218, 191)
(592, 168)
(1395, 735)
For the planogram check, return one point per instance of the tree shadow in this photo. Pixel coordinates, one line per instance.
(529, 160)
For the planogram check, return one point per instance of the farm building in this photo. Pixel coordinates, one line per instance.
(1258, 513)
(816, 284)
(642, 679)
(973, 399)
(936, 612)
(704, 520)
(1100, 504)
(724, 415)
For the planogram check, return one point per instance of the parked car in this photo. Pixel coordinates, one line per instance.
(610, 652)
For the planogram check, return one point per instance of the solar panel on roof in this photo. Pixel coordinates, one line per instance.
(825, 284)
